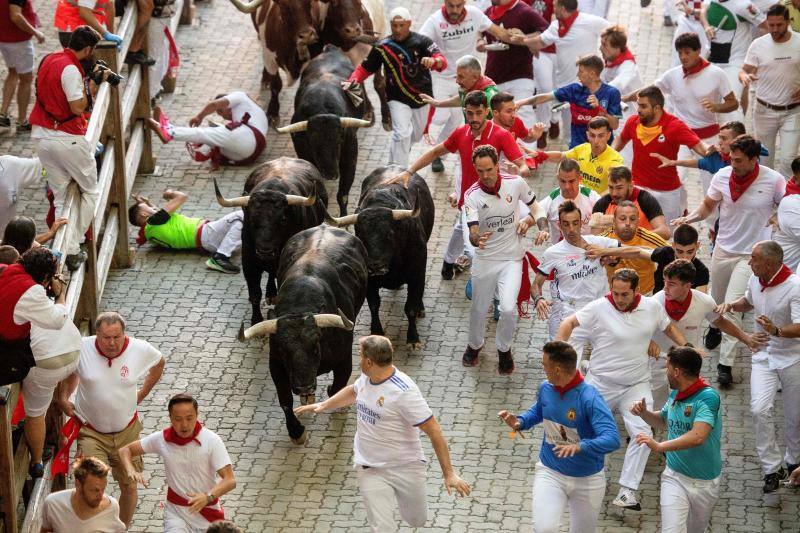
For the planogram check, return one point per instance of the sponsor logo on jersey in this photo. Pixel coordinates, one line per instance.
(661, 138)
(571, 414)
(687, 411)
(380, 402)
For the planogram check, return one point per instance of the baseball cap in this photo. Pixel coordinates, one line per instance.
(401, 13)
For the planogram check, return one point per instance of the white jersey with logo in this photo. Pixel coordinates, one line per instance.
(691, 323)
(106, 395)
(578, 280)
(778, 67)
(585, 201)
(58, 516)
(455, 40)
(389, 415)
(686, 92)
(781, 304)
(499, 213)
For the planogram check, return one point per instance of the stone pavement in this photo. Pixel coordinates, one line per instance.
(192, 315)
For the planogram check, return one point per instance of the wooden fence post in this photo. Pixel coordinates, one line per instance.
(8, 493)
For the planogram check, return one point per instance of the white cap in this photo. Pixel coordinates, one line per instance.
(399, 13)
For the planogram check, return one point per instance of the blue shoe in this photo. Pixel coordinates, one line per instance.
(468, 289)
(496, 310)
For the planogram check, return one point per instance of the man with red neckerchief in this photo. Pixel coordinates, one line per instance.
(104, 417)
(194, 456)
(773, 294)
(620, 326)
(746, 194)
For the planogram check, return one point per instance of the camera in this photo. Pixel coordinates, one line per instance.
(96, 74)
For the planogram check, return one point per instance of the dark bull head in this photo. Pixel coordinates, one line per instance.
(296, 18)
(298, 336)
(345, 16)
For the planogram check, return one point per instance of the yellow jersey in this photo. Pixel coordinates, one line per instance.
(794, 15)
(644, 267)
(594, 170)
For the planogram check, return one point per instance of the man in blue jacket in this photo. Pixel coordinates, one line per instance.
(579, 430)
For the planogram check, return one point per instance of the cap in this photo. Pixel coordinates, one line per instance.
(401, 13)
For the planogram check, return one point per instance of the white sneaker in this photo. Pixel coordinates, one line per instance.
(627, 499)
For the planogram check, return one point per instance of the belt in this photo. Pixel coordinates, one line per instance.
(198, 236)
(778, 107)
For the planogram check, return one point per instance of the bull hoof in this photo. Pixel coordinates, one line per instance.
(421, 313)
(271, 300)
(299, 441)
(415, 346)
(307, 399)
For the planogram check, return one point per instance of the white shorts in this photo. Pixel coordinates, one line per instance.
(38, 387)
(18, 56)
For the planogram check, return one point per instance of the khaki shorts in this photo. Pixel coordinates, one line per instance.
(104, 446)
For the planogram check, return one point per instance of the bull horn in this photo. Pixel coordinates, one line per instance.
(402, 214)
(249, 7)
(294, 127)
(305, 201)
(262, 329)
(349, 122)
(239, 201)
(326, 320)
(340, 222)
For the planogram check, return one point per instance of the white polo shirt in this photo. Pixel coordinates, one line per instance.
(583, 38)
(585, 201)
(59, 517)
(685, 93)
(455, 40)
(15, 173)
(620, 340)
(578, 279)
(743, 223)
(781, 304)
(701, 308)
(788, 232)
(778, 68)
(389, 415)
(106, 395)
(499, 213)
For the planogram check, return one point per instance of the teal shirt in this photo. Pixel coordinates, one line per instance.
(704, 461)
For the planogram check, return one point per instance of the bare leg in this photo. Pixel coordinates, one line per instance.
(9, 88)
(24, 95)
(34, 436)
(144, 14)
(127, 502)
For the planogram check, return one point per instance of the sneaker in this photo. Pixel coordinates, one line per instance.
(773, 481)
(160, 125)
(627, 499)
(437, 165)
(541, 142)
(470, 357)
(505, 363)
(25, 127)
(5, 121)
(74, 261)
(223, 264)
(554, 131)
(712, 339)
(644, 3)
(448, 271)
(724, 376)
(36, 470)
(668, 21)
(139, 58)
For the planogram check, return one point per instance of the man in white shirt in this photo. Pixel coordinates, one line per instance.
(787, 232)
(773, 61)
(390, 464)
(15, 174)
(620, 327)
(491, 209)
(194, 457)
(746, 194)
(86, 507)
(569, 188)
(773, 294)
(104, 416)
(688, 21)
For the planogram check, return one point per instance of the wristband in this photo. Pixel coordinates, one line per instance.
(778, 332)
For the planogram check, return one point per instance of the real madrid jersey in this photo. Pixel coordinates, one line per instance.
(578, 279)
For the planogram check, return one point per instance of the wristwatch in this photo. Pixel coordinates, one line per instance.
(778, 331)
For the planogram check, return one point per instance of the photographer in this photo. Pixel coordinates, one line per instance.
(63, 92)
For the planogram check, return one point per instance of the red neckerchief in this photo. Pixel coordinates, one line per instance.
(692, 389)
(779, 277)
(170, 435)
(495, 13)
(620, 59)
(460, 19)
(792, 188)
(566, 24)
(740, 185)
(700, 65)
(524, 294)
(495, 190)
(109, 359)
(140, 238)
(482, 83)
(576, 380)
(633, 306)
(676, 309)
(725, 157)
(634, 197)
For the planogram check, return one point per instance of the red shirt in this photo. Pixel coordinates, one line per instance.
(665, 138)
(462, 141)
(518, 129)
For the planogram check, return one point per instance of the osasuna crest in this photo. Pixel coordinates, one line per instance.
(508, 198)
(571, 414)
(687, 411)
(380, 402)
(661, 138)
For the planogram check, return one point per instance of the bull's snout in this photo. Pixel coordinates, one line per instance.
(351, 31)
(267, 255)
(307, 36)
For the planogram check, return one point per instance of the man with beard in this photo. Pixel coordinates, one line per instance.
(620, 189)
(469, 77)
(504, 113)
(569, 189)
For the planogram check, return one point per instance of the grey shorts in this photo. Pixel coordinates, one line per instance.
(18, 56)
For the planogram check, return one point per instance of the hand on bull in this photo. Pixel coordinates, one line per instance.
(429, 62)
(347, 85)
(401, 178)
(430, 100)
(315, 408)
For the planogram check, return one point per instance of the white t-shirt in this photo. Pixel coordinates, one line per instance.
(72, 85)
(389, 415)
(585, 201)
(578, 280)
(701, 308)
(742, 17)
(685, 93)
(744, 223)
(15, 173)
(47, 343)
(190, 468)
(106, 395)
(625, 77)
(36, 307)
(788, 232)
(455, 40)
(778, 68)
(59, 517)
(583, 38)
(499, 214)
(620, 340)
(240, 104)
(781, 304)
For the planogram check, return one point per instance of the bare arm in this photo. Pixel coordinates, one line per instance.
(226, 484)
(653, 418)
(150, 380)
(702, 211)
(623, 252)
(555, 157)
(619, 143)
(659, 225)
(126, 455)
(565, 329)
(453, 101)
(65, 390)
(701, 148)
(432, 428)
(211, 107)
(175, 199)
(346, 396)
(535, 100)
(675, 335)
(88, 17)
(691, 439)
(22, 23)
(729, 104)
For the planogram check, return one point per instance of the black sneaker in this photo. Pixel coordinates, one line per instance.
(24, 127)
(223, 264)
(448, 270)
(712, 339)
(36, 470)
(74, 261)
(644, 3)
(139, 58)
(5, 121)
(470, 357)
(772, 481)
(437, 165)
(724, 376)
(505, 363)
(668, 21)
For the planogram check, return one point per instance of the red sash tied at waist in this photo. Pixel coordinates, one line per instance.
(209, 513)
(70, 431)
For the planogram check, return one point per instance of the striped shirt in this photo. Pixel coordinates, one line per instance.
(644, 267)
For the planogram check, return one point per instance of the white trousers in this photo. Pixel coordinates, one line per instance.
(732, 72)
(560, 311)
(729, 276)
(671, 203)
(383, 489)
(659, 385)
(224, 235)
(621, 398)
(181, 520)
(544, 73)
(552, 492)
(459, 240)
(771, 124)
(686, 503)
(764, 385)
(522, 88)
(448, 117)
(236, 144)
(407, 127)
(67, 160)
(502, 278)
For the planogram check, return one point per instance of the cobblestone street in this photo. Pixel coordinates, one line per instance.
(192, 314)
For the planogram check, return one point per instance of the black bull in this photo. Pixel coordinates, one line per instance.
(323, 283)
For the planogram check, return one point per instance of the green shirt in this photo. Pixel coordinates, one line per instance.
(704, 461)
(174, 230)
(489, 91)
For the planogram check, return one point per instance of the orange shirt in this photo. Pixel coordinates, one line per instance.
(644, 267)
